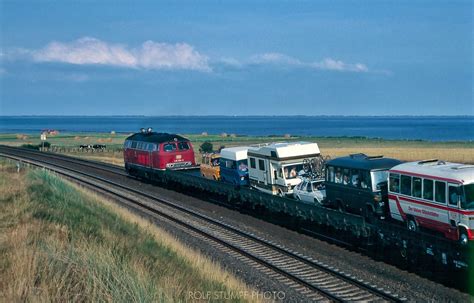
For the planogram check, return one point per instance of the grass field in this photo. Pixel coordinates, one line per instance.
(62, 243)
(401, 149)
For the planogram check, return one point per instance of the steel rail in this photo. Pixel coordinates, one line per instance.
(378, 292)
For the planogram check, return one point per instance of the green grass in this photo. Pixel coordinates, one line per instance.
(63, 245)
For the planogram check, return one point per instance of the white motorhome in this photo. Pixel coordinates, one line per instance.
(435, 195)
(274, 168)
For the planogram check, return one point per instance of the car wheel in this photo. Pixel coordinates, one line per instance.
(280, 193)
(411, 225)
(298, 198)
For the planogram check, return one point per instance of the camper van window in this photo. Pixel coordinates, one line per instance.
(428, 189)
(261, 164)
(252, 163)
(440, 191)
(293, 171)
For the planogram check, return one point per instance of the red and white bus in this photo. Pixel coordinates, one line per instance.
(435, 195)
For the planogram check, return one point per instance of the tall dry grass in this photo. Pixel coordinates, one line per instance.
(61, 243)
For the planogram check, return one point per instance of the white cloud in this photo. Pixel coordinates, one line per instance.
(164, 56)
(274, 58)
(150, 55)
(325, 64)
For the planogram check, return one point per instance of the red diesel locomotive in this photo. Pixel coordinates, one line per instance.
(160, 151)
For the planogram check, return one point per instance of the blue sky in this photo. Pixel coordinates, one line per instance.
(236, 58)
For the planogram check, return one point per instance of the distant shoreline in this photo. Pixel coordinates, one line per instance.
(237, 116)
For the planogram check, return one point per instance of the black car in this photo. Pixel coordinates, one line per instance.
(358, 184)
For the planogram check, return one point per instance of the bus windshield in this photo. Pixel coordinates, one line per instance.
(468, 200)
(378, 178)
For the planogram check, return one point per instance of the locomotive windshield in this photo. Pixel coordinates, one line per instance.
(467, 202)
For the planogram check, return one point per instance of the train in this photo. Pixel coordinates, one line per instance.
(367, 195)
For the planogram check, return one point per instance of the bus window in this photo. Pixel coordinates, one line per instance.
(416, 190)
(134, 144)
(355, 178)
(379, 177)
(365, 180)
(428, 189)
(467, 202)
(440, 191)
(338, 176)
(454, 193)
(406, 185)
(345, 176)
(330, 176)
(394, 183)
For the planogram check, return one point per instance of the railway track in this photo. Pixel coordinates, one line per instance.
(314, 280)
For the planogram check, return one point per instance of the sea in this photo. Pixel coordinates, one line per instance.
(427, 128)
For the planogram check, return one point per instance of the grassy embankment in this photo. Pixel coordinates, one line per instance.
(62, 243)
(401, 149)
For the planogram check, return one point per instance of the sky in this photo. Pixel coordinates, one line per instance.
(236, 58)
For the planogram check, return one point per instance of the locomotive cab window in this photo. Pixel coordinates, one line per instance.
(169, 147)
(183, 146)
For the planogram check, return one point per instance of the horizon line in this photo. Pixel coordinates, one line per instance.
(237, 116)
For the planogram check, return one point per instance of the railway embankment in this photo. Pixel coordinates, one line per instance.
(62, 243)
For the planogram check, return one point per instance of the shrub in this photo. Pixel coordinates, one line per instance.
(206, 147)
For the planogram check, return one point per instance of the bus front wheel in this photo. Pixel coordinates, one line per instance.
(411, 224)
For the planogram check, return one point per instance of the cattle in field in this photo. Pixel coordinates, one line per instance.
(99, 147)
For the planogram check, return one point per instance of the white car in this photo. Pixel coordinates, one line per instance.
(311, 191)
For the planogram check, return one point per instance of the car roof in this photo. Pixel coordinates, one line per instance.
(362, 161)
(156, 137)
